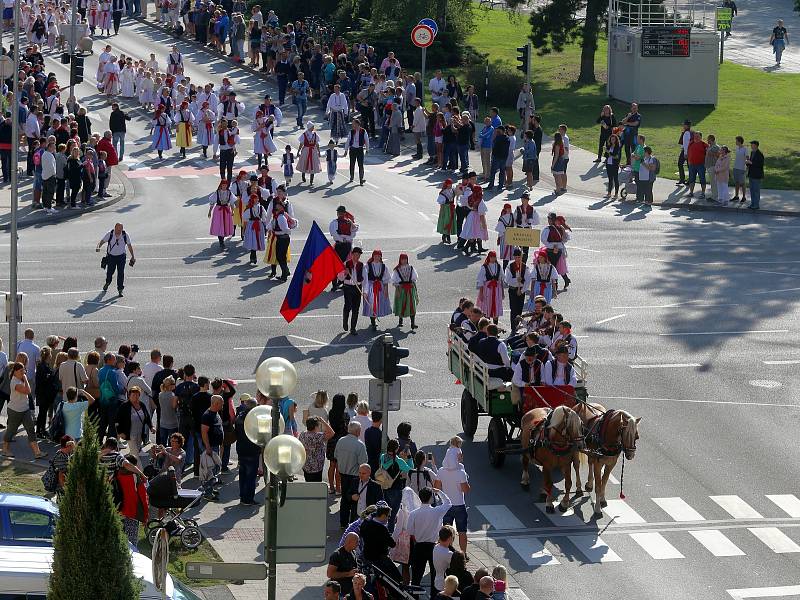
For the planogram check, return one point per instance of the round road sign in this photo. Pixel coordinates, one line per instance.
(432, 24)
(422, 36)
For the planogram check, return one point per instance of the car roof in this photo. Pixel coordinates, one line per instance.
(27, 501)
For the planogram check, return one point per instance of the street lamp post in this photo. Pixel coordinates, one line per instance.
(13, 305)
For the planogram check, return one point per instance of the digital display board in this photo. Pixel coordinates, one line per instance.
(666, 41)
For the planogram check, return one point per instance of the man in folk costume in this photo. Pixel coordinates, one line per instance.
(446, 224)
(240, 188)
(544, 278)
(111, 84)
(308, 151)
(504, 251)
(174, 60)
(280, 227)
(161, 125)
(228, 138)
(404, 279)
(219, 212)
(256, 220)
(528, 372)
(185, 120)
(229, 108)
(525, 216)
(263, 196)
(270, 110)
(205, 130)
(269, 188)
(475, 231)
(559, 371)
(517, 280)
(165, 101)
(376, 290)
(553, 238)
(336, 110)
(356, 146)
(564, 338)
(352, 279)
(343, 230)
(209, 95)
(490, 287)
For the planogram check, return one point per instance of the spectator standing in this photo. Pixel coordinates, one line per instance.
(441, 556)
(133, 422)
(607, 122)
(167, 407)
(32, 350)
(396, 466)
(558, 165)
(458, 569)
(696, 158)
(530, 160)
(455, 484)
(683, 141)
(19, 412)
(48, 161)
(71, 372)
(424, 524)
(486, 137)
(338, 420)
(472, 591)
(373, 439)
(631, 123)
(647, 175)
(342, 564)
(77, 402)
(362, 418)
(359, 593)
(349, 454)
(739, 169)
(500, 147)
(712, 154)
(755, 173)
(314, 440)
(46, 390)
(249, 456)
(613, 156)
(721, 174)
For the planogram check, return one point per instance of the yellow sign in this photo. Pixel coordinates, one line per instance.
(523, 237)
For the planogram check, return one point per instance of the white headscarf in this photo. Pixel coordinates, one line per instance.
(310, 125)
(451, 459)
(410, 502)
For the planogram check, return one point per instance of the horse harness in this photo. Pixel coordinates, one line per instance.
(597, 431)
(540, 438)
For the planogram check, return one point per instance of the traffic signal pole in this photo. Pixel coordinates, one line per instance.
(388, 341)
(72, 48)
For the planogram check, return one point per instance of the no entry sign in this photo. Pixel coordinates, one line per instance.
(422, 36)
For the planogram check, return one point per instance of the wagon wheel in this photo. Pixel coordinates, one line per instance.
(496, 442)
(469, 414)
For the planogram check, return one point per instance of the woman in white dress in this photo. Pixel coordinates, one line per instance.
(308, 152)
(205, 129)
(127, 80)
(475, 230)
(111, 85)
(146, 91)
(376, 289)
(263, 145)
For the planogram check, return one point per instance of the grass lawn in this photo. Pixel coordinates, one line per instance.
(752, 103)
(23, 480)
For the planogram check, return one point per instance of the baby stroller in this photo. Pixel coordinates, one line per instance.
(628, 184)
(163, 493)
(383, 586)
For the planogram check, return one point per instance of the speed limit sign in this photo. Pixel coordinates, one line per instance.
(422, 36)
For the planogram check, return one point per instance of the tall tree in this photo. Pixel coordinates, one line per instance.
(92, 558)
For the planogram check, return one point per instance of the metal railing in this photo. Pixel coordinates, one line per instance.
(661, 13)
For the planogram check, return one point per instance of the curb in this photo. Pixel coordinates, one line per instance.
(723, 210)
(39, 219)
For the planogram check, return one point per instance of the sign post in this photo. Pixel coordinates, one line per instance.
(724, 22)
(422, 36)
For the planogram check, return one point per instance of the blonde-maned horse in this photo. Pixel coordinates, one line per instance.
(562, 430)
(608, 434)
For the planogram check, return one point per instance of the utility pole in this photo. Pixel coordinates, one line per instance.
(72, 47)
(12, 305)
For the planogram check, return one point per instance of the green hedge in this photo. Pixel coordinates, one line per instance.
(504, 82)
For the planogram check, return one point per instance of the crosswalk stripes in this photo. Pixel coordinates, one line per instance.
(656, 545)
(788, 503)
(500, 517)
(775, 539)
(736, 507)
(594, 548)
(678, 509)
(621, 512)
(716, 542)
(532, 551)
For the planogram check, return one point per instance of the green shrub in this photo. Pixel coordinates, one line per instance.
(504, 82)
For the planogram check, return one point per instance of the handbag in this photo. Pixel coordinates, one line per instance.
(50, 478)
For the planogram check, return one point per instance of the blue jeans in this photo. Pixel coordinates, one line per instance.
(695, 171)
(225, 457)
(755, 192)
(283, 80)
(302, 107)
(164, 433)
(498, 164)
(248, 477)
(393, 499)
(450, 156)
(463, 156)
(118, 141)
(191, 438)
(431, 146)
(116, 263)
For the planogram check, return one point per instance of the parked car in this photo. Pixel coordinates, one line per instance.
(26, 520)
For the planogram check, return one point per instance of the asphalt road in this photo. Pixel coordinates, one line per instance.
(689, 320)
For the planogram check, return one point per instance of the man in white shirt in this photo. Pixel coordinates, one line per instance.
(424, 525)
(32, 130)
(419, 123)
(441, 556)
(117, 241)
(356, 146)
(150, 369)
(49, 177)
(336, 110)
(559, 371)
(438, 86)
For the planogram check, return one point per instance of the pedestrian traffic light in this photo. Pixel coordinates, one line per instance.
(524, 58)
(375, 359)
(392, 369)
(76, 70)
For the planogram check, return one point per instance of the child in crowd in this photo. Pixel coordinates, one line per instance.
(331, 154)
(288, 165)
(102, 174)
(500, 576)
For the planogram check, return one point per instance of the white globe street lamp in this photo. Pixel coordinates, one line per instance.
(258, 425)
(285, 456)
(276, 377)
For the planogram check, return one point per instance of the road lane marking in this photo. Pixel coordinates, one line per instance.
(157, 178)
(594, 549)
(736, 507)
(66, 293)
(418, 248)
(339, 314)
(743, 332)
(775, 539)
(678, 509)
(500, 517)
(788, 503)
(423, 215)
(372, 185)
(688, 401)
(74, 322)
(765, 592)
(656, 545)
(614, 318)
(173, 277)
(355, 377)
(772, 291)
(622, 513)
(111, 304)
(400, 200)
(215, 320)
(675, 305)
(666, 366)
(532, 552)
(416, 370)
(305, 339)
(287, 346)
(565, 519)
(175, 287)
(571, 247)
(781, 362)
(189, 176)
(28, 278)
(716, 542)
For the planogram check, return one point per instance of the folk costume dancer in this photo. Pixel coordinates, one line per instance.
(269, 188)
(174, 61)
(331, 157)
(263, 145)
(219, 212)
(256, 220)
(111, 84)
(240, 189)
(185, 120)
(280, 227)
(376, 290)
(553, 238)
(525, 216)
(230, 108)
(505, 252)
(446, 225)
(527, 372)
(544, 278)
(462, 193)
(475, 231)
(337, 110)
(205, 130)
(517, 280)
(404, 280)
(228, 139)
(104, 18)
(356, 146)
(264, 197)
(161, 125)
(127, 81)
(490, 287)
(352, 279)
(343, 230)
(270, 110)
(308, 161)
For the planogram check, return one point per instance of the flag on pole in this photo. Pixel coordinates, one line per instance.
(317, 267)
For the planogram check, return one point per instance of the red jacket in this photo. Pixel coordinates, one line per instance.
(134, 497)
(105, 145)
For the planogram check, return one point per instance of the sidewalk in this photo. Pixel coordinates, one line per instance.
(748, 44)
(119, 187)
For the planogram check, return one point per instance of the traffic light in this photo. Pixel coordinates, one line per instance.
(524, 58)
(392, 369)
(76, 70)
(375, 359)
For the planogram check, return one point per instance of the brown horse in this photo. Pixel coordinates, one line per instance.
(608, 434)
(562, 434)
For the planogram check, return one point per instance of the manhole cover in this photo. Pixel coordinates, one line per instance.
(765, 383)
(436, 404)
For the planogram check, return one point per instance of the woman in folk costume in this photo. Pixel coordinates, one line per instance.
(554, 238)
(111, 85)
(309, 152)
(127, 81)
(256, 221)
(185, 119)
(475, 230)
(505, 252)
(205, 130)
(395, 123)
(446, 225)
(104, 22)
(93, 15)
(220, 213)
(561, 265)
(337, 110)
(376, 290)
(490, 287)
(240, 190)
(278, 249)
(174, 60)
(544, 278)
(404, 279)
(161, 125)
(165, 100)
(146, 91)
(263, 145)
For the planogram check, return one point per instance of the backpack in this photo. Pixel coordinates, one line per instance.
(5, 384)
(56, 428)
(657, 162)
(107, 391)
